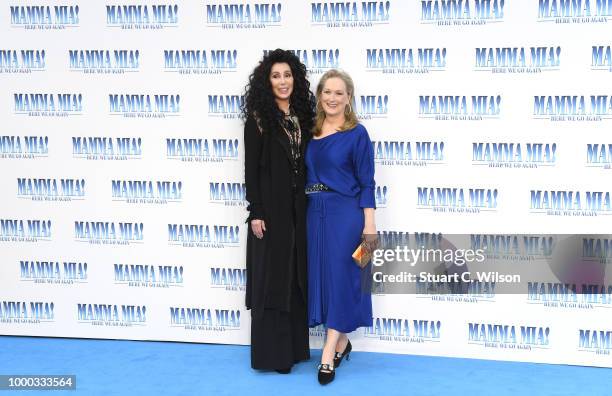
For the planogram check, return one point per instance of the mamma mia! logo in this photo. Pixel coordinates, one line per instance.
(144, 105)
(32, 312)
(106, 148)
(317, 61)
(93, 61)
(415, 240)
(574, 11)
(474, 292)
(24, 147)
(569, 295)
(317, 331)
(570, 203)
(53, 272)
(231, 279)
(142, 16)
(599, 155)
(201, 61)
(572, 107)
(462, 12)
(457, 200)
(405, 60)
(152, 276)
(462, 108)
(368, 107)
(17, 230)
(48, 105)
(108, 233)
(601, 58)
(112, 315)
(147, 191)
(22, 61)
(382, 196)
(515, 247)
(404, 330)
(243, 15)
(51, 189)
(514, 155)
(553, 294)
(228, 194)
(598, 342)
(598, 250)
(518, 59)
(225, 106)
(350, 14)
(202, 150)
(44, 16)
(403, 153)
(205, 319)
(199, 235)
(508, 336)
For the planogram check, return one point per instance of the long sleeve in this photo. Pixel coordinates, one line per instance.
(253, 142)
(363, 161)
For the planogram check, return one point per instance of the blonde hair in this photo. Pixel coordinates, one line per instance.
(350, 117)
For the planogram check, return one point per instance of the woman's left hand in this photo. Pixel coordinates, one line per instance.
(369, 229)
(369, 222)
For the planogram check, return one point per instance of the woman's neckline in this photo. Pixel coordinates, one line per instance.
(326, 136)
(332, 134)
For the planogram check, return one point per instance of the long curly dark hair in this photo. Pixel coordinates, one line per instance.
(259, 98)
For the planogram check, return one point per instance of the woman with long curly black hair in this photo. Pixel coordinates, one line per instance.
(279, 116)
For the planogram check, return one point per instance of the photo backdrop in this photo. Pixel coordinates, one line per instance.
(122, 210)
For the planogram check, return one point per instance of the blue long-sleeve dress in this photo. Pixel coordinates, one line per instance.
(344, 162)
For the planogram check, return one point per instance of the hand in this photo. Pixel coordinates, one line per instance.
(258, 227)
(369, 229)
(369, 223)
(370, 237)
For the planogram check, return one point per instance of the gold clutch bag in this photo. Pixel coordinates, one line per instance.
(363, 254)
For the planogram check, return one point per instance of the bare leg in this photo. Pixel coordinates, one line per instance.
(330, 346)
(342, 342)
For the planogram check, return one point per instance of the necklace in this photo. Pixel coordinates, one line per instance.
(292, 128)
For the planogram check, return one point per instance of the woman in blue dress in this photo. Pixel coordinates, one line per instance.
(340, 209)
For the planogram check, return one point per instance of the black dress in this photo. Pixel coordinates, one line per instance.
(276, 264)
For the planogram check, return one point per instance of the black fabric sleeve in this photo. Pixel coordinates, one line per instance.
(253, 142)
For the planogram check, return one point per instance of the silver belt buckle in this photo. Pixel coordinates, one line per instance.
(315, 188)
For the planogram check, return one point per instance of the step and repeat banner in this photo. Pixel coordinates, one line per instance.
(122, 210)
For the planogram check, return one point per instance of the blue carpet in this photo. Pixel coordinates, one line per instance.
(105, 367)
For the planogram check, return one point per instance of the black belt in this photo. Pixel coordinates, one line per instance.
(315, 188)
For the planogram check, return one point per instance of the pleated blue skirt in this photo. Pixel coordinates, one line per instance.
(336, 296)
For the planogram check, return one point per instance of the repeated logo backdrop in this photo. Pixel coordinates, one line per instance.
(123, 207)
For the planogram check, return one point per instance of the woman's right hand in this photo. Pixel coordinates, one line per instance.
(258, 227)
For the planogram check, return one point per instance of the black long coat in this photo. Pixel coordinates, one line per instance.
(276, 195)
